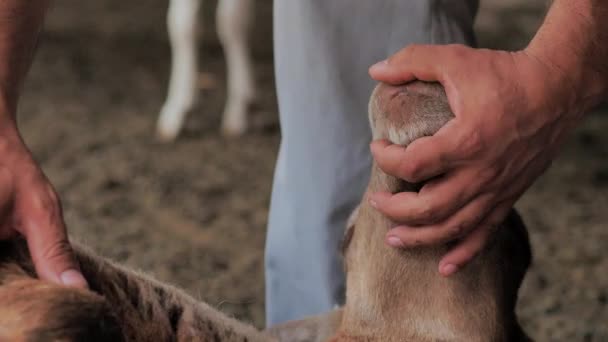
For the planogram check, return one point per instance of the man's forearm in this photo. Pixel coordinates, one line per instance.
(20, 24)
(574, 41)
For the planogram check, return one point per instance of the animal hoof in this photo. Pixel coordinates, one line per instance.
(234, 122)
(232, 129)
(169, 125)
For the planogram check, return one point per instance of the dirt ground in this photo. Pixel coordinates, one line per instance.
(194, 213)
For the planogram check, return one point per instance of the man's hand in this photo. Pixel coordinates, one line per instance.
(510, 117)
(28, 203)
(29, 206)
(511, 113)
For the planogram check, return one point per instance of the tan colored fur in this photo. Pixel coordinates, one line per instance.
(398, 295)
(392, 295)
(122, 305)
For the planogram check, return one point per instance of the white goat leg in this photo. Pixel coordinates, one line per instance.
(233, 21)
(182, 24)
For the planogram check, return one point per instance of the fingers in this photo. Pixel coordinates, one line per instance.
(473, 244)
(436, 202)
(418, 61)
(42, 225)
(428, 157)
(412, 62)
(457, 226)
(403, 162)
(426, 63)
(423, 159)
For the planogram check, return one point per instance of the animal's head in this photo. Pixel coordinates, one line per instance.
(407, 112)
(400, 114)
(392, 289)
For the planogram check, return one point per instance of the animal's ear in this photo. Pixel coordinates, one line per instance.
(350, 229)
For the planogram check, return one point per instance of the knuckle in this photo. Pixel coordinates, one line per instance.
(476, 250)
(49, 203)
(456, 231)
(43, 195)
(51, 196)
(404, 54)
(58, 250)
(52, 202)
(471, 143)
(411, 171)
(426, 212)
(410, 239)
(413, 242)
(459, 229)
(410, 49)
(489, 174)
(458, 50)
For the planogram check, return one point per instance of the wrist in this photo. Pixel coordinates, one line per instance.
(571, 45)
(8, 122)
(11, 143)
(583, 86)
(15, 155)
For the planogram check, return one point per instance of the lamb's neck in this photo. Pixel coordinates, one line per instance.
(375, 224)
(390, 289)
(381, 181)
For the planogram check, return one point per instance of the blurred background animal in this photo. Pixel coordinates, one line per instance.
(233, 22)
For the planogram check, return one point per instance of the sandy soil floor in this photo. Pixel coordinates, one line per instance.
(194, 213)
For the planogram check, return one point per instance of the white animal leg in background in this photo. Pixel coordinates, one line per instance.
(233, 21)
(182, 24)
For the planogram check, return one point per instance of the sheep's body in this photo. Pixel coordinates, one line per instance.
(233, 17)
(392, 295)
(122, 305)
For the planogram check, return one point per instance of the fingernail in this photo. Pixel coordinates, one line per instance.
(73, 278)
(448, 269)
(380, 64)
(394, 241)
(375, 198)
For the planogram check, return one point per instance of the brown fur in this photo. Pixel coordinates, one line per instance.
(398, 295)
(123, 305)
(392, 295)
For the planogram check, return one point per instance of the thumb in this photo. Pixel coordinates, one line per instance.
(421, 62)
(48, 244)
